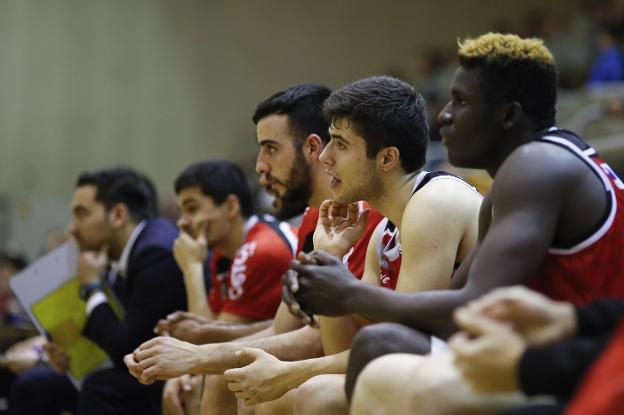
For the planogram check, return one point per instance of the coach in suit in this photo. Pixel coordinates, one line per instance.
(113, 221)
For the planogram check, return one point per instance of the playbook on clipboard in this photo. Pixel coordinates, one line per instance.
(48, 291)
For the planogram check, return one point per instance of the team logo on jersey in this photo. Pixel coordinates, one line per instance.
(238, 273)
(390, 252)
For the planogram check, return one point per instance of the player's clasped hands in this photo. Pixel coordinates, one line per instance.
(316, 284)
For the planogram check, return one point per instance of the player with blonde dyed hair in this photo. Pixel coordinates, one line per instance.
(553, 220)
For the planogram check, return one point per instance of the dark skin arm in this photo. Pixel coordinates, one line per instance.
(531, 190)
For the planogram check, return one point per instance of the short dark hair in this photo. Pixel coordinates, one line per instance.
(17, 261)
(303, 104)
(515, 69)
(123, 185)
(386, 112)
(218, 179)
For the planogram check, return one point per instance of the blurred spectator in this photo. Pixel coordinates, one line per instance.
(609, 65)
(11, 313)
(10, 264)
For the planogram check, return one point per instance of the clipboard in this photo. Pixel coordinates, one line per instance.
(48, 291)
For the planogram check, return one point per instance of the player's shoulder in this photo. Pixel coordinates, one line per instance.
(272, 237)
(538, 165)
(441, 194)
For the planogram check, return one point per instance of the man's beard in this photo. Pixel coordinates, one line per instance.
(299, 189)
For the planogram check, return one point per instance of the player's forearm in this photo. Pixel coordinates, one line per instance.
(304, 343)
(215, 358)
(431, 311)
(309, 368)
(265, 332)
(196, 295)
(332, 364)
(228, 332)
(337, 333)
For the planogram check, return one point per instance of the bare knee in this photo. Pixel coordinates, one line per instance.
(381, 339)
(383, 385)
(280, 406)
(321, 395)
(217, 398)
(263, 409)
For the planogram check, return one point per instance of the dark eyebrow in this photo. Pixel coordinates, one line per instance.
(267, 141)
(338, 137)
(187, 201)
(457, 91)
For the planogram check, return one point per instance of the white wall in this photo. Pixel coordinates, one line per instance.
(157, 84)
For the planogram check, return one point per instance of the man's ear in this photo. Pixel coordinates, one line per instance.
(512, 115)
(388, 158)
(119, 215)
(312, 147)
(232, 206)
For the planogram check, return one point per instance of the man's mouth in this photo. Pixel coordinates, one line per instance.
(333, 179)
(271, 190)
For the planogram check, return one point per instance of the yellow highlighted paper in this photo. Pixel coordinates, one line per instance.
(62, 314)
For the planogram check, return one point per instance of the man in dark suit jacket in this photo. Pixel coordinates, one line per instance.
(113, 216)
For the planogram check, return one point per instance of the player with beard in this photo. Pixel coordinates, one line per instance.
(378, 143)
(291, 134)
(290, 196)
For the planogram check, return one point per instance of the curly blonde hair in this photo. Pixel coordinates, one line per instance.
(498, 45)
(514, 69)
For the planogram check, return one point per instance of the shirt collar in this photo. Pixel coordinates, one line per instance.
(121, 266)
(251, 222)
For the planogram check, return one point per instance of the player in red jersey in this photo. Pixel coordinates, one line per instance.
(544, 197)
(291, 133)
(250, 253)
(250, 284)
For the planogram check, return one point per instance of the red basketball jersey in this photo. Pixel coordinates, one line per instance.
(250, 284)
(594, 267)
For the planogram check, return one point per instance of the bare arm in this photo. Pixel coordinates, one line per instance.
(166, 357)
(191, 328)
(337, 332)
(196, 290)
(439, 226)
(265, 378)
(224, 332)
(190, 255)
(283, 322)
